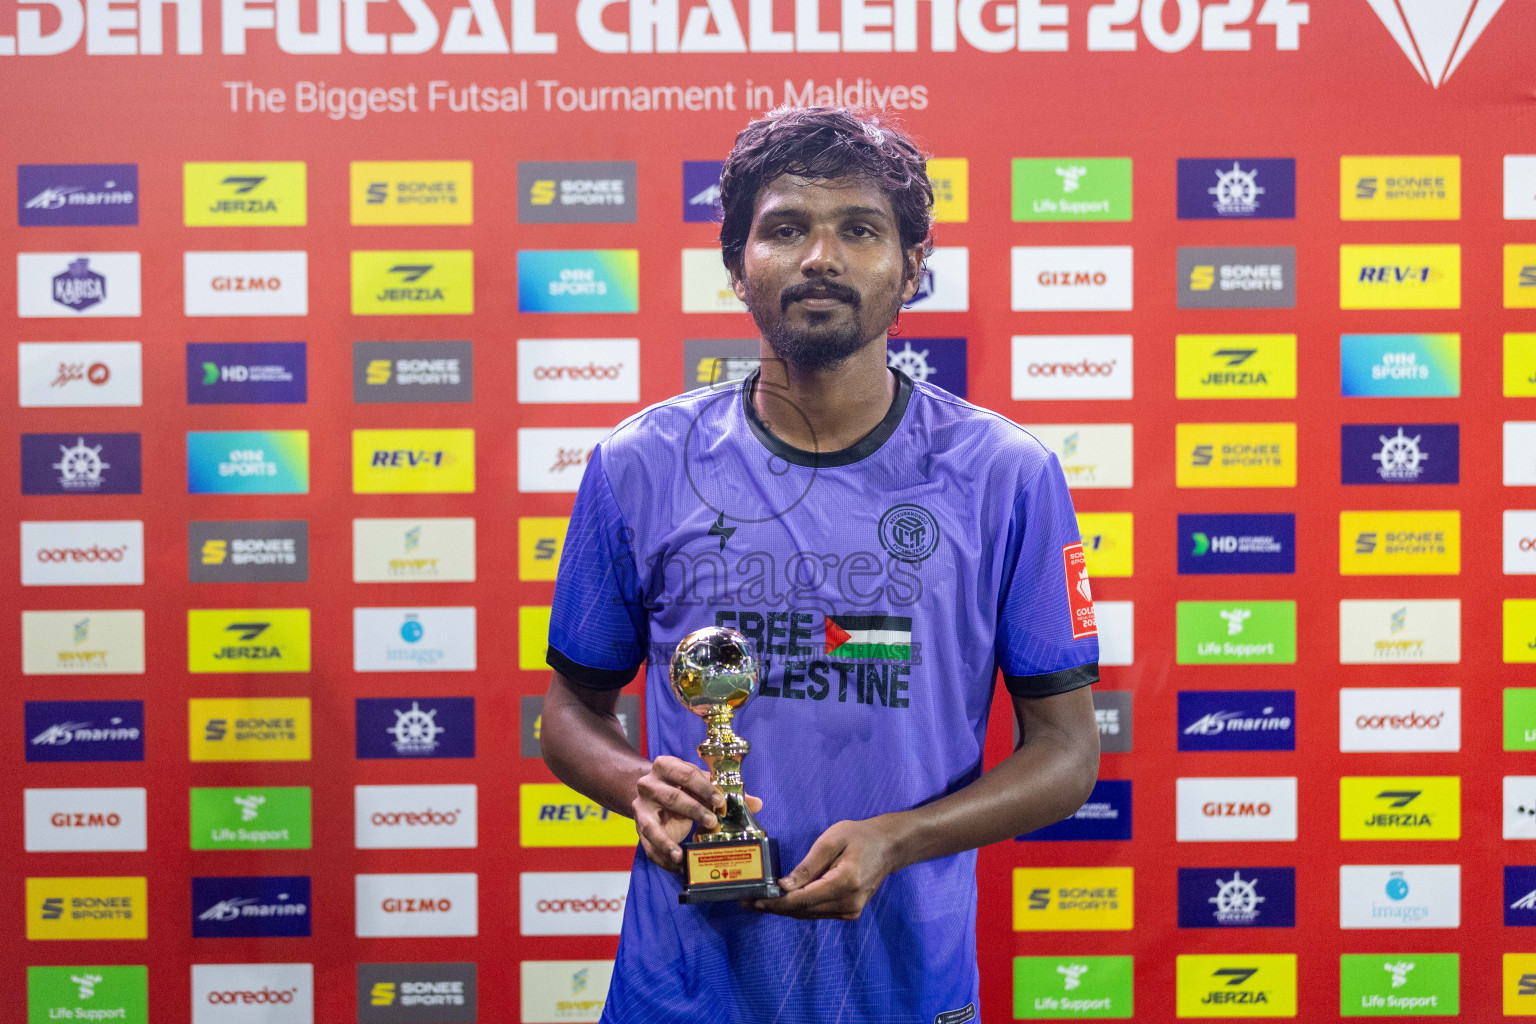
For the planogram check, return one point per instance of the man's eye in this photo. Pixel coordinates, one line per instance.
(861, 230)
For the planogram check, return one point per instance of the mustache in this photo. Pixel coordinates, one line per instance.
(819, 290)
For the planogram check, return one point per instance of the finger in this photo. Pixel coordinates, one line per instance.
(659, 846)
(822, 854)
(690, 778)
(678, 802)
(828, 896)
(754, 804)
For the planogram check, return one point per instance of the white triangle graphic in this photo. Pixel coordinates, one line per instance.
(1435, 35)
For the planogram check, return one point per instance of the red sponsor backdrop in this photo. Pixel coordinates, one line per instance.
(1347, 88)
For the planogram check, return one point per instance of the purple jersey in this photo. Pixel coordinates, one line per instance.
(884, 586)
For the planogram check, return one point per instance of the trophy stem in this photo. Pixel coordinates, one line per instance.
(723, 751)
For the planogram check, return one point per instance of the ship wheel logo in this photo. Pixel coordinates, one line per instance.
(80, 466)
(1237, 901)
(415, 731)
(1400, 456)
(1237, 191)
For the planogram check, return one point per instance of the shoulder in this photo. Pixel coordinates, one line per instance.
(988, 439)
(654, 438)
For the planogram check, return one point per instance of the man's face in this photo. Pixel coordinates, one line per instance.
(823, 273)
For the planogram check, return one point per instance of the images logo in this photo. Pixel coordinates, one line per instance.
(75, 374)
(578, 281)
(589, 192)
(417, 905)
(1053, 988)
(1087, 366)
(937, 361)
(80, 464)
(1400, 365)
(50, 195)
(582, 370)
(82, 643)
(554, 815)
(1244, 809)
(413, 639)
(388, 727)
(951, 181)
(416, 993)
(252, 551)
(413, 192)
(86, 908)
(1237, 897)
(263, 906)
(1425, 31)
(420, 550)
(1106, 815)
(1400, 188)
(69, 284)
(1399, 896)
(246, 283)
(1373, 985)
(119, 994)
(413, 283)
(1235, 454)
(1073, 899)
(72, 820)
(1237, 189)
(1236, 985)
(251, 818)
(1072, 189)
(249, 729)
(1237, 720)
(1235, 544)
(1400, 453)
(1081, 277)
(273, 372)
(248, 640)
(1399, 277)
(248, 462)
(412, 371)
(244, 194)
(1235, 366)
(84, 730)
(1382, 807)
(701, 191)
(413, 461)
(1400, 543)
(1237, 277)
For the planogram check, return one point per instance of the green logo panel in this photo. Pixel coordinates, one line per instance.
(116, 994)
(1071, 988)
(1072, 188)
(251, 818)
(1237, 633)
(1399, 985)
(1519, 718)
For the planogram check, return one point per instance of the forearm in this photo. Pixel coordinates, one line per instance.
(588, 751)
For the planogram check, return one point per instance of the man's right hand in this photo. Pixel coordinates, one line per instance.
(674, 796)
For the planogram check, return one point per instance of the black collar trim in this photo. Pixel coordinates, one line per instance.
(857, 452)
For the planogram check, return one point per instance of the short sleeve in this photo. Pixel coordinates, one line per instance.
(1047, 640)
(597, 625)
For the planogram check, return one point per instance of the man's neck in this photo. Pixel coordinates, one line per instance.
(825, 410)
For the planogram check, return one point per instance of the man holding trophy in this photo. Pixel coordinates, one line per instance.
(829, 563)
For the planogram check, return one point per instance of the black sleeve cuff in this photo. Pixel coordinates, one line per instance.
(1051, 683)
(591, 678)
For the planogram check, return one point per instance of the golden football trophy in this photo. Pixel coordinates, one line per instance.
(714, 673)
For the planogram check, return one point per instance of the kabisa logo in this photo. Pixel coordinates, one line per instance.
(593, 192)
(1073, 899)
(1237, 277)
(251, 818)
(937, 361)
(413, 371)
(413, 283)
(1235, 366)
(417, 905)
(578, 281)
(244, 194)
(80, 464)
(389, 727)
(413, 192)
(1239, 543)
(1237, 719)
(1243, 897)
(1247, 985)
(442, 993)
(49, 195)
(438, 461)
(550, 814)
(273, 372)
(1237, 189)
(1079, 277)
(1380, 807)
(117, 994)
(87, 908)
(249, 729)
(1400, 453)
(1399, 277)
(1400, 187)
(1399, 896)
(70, 284)
(84, 730)
(1072, 189)
(1105, 815)
(1235, 454)
(248, 462)
(1426, 30)
(944, 284)
(701, 191)
(248, 640)
(1400, 365)
(252, 551)
(263, 906)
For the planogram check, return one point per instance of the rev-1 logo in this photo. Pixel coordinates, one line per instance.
(403, 459)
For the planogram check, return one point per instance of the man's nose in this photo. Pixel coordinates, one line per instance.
(824, 257)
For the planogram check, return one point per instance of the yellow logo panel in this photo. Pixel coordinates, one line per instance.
(1235, 454)
(248, 640)
(1519, 631)
(1108, 543)
(554, 815)
(532, 637)
(1399, 277)
(413, 192)
(249, 729)
(1520, 365)
(413, 462)
(1237, 985)
(1399, 543)
(1520, 984)
(87, 908)
(540, 543)
(1520, 277)
(1400, 807)
(1400, 188)
(1073, 899)
(244, 194)
(421, 282)
(1235, 366)
(951, 178)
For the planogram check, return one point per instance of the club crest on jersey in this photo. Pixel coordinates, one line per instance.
(909, 533)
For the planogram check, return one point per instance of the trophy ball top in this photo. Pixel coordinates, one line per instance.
(714, 667)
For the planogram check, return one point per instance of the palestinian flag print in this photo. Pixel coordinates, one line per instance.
(869, 637)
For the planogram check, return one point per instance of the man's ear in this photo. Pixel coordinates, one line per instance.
(911, 272)
(738, 285)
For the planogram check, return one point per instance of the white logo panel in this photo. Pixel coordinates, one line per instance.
(1519, 542)
(1407, 719)
(552, 459)
(247, 283)
(578, 370)
(416, 817)
(1067, 366)
(1092, 455)
(1239, 810)
(82, 553)
(413, 639)
(1400, 896)
(416, 906)
(556, 991)
(945, 286)
(71, 284)
(1519, 453)
(63, 820)
(1072, 277)
(1520, 807)
(1425, 632)
(413, 550)
(1117, 632)
(572, 902)
(707, 284)
(1520, 188)
(82, 642)
(253, 994)
(75, 374)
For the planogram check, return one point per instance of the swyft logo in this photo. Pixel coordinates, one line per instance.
(82, 642)
(1435, 35)
(564, 990)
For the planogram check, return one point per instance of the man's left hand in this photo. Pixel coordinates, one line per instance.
(839, 874)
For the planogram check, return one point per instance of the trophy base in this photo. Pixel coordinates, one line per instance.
(740, 869)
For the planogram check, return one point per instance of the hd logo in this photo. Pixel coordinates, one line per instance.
(1237, 985)
(1073, 899)
(1385, 807)
(413, 462)
(1235, 454)
(249, 729)
(87, 908)
(413, 283)
(1399, 277)
(248, 640)
(245, 194)
(413, 192)
(1400, 543)
(1235, 366)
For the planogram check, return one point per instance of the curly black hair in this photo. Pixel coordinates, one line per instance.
(824, 143)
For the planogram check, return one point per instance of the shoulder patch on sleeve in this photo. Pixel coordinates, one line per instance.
(1079, 593)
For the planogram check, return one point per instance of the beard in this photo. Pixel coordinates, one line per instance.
(826, 338)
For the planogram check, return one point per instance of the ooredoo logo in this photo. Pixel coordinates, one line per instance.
(573, 902)
(253, 993)
(78, 553)
(578, 370)
(263, 996)
(1419, 718)
(589, 372)
(416, 817)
